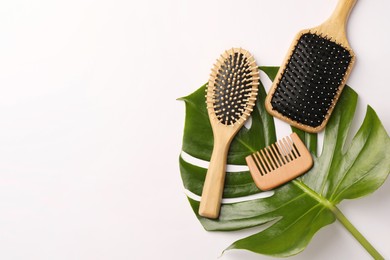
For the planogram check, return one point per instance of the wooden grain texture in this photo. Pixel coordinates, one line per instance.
(334, 28)
(223, 135)
(279, 163)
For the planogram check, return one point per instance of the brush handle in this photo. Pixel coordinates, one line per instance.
(210, 203)
(335, 26)
(340, 15)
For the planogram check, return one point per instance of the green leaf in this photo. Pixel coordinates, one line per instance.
(301, 207)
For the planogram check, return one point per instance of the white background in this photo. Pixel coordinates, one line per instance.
(90, 131)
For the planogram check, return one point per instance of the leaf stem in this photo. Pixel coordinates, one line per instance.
(343, 220)
(359, 237)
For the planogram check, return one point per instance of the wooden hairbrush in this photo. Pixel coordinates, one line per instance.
(230, 96)
(313, 74)
(279, 163)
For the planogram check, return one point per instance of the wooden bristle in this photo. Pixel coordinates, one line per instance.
(311, 80)
(233, 86)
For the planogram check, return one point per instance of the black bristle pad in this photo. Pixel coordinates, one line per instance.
(232, 88)
(311, 80)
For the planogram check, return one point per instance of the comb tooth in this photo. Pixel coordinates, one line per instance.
(262, 162)
(293, 148)
(270, 158)
(266, 161)
(283, 151)
(259, 166)
(296, 144)
(276, 152)
(274, 156)
(280, 150)
(288, 149)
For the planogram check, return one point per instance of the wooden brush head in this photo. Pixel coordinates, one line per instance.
(232, 88)
(313, 74)
(230, 96)
(309, 84)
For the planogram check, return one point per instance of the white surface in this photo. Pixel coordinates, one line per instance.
(91, 132)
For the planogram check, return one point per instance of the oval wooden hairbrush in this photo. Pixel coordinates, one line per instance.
(313, 74)
(230, 96)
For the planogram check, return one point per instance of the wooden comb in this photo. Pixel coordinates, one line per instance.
(279, 163)
(313, 74)
(230, 96)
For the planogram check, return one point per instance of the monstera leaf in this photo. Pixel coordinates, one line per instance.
(301, 207)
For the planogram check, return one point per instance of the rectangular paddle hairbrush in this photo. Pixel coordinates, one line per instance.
(313, 74)
(279, 163)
